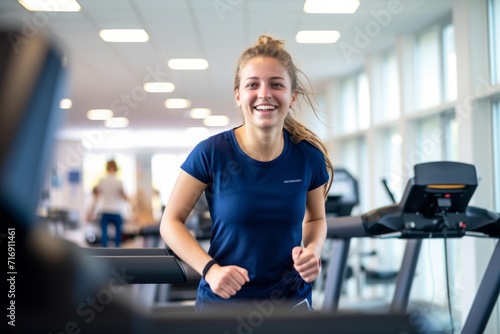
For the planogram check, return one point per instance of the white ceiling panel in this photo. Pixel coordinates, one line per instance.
(110, 75)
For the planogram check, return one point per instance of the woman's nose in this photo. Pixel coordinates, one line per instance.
(264, 92)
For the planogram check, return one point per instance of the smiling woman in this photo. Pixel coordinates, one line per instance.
(264, 98)
(264, 180)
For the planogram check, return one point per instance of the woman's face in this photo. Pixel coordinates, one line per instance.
(265, 93)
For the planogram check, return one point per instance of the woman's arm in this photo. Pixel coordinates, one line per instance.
(307, 259)
(186, 192)
(224, 281)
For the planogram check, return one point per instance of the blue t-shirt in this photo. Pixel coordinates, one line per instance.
(257, 209)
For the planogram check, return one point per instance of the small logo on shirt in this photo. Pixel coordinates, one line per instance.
(292, 181)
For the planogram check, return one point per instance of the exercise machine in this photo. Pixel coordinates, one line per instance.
(140, 265)
(435, 204)
(343, 195)
(341, 200)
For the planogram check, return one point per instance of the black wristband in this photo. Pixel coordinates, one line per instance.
(207, 267)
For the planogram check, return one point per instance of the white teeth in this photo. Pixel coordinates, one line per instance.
(265, 107)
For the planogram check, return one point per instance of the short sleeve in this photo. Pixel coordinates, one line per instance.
(198, 162)
(319, 174)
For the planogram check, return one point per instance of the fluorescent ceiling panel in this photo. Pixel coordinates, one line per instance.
(124, 35)
(65, 104)
(51, 5)
(216, 120)
(116, 122)
(188, 64)
(331, 6)
(159, 87)
(177, 103)
(200, 113)
(99, 114)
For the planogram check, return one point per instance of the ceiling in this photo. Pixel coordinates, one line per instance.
(111, 75)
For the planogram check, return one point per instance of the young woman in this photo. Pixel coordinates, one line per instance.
(265, 183)
(110, 193)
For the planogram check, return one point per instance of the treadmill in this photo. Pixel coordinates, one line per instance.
(343, 195)
(434, 205)
(138, 265)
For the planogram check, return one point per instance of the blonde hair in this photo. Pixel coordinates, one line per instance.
(266, 46)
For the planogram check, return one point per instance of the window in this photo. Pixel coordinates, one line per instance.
(363, 94)
(496, 150)
(355, 103)
(435, 66)
(494, 29)
(348, 104)
(429, 145)
(391, 92)
(350, 156)
(450, 63)
(316, 121)
(392, 163)
(353, 159)
(450, 124)
(427, 66)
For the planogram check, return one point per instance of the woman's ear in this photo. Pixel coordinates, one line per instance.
(294, 99)
(237, 97)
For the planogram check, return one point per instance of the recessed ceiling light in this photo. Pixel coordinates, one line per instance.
(317, 36)
(331, 6)
(99, 114)
(200, 113)
(216, 120)
(177, 103)
(50, 5)
(116, 122)
(124, 35)
(65, 104)
(188, 64)
(159, 87)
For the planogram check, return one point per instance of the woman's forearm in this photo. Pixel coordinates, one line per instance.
(314, 235)
(184, 244)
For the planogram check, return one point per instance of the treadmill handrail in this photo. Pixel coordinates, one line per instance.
(145, 269)
(345, 227)
(110, 251)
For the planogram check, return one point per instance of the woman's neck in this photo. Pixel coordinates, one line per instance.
(261, 145)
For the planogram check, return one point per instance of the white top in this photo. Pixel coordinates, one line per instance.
(111, 200)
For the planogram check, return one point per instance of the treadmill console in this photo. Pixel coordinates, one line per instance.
(343, 194)
(434, 205)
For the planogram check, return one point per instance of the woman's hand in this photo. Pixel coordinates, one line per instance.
(306, 263)
(226, 281)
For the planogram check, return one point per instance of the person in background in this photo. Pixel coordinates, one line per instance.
(91, 214)
(265, 182)
(109, 192)
(143, 209)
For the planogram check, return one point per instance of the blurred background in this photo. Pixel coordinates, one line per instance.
(398, 83)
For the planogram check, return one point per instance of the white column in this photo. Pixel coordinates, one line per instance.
(471, 31)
